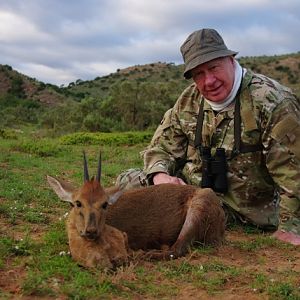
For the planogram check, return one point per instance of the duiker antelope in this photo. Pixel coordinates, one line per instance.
(152, 217)
(92, 242)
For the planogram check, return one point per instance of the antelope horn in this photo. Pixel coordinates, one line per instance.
(99, 168)
(85, 168)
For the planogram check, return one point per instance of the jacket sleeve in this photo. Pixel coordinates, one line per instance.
(169, 143)
(282, 143)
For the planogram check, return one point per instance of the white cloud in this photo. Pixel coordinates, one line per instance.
(17, 28)
(46, 73)
(60, 41)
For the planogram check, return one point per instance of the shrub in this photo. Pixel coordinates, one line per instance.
(125, 138)
(282, 68)
(8, 134)
(41, 147)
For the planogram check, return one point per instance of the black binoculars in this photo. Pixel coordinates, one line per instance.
(214, 169)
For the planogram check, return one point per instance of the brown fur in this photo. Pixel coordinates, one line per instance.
(92, 242)
(157, 217)
(108, 251)
(167, 214)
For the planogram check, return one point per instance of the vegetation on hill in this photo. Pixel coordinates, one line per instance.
(134, 98)
(24, 100)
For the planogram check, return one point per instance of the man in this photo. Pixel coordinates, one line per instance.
(250, 119)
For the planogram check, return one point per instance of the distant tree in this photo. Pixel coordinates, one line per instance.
(141, 104)
(16, 88)
(126, 100)
(8, 67)
(62, 119)
(41, 86)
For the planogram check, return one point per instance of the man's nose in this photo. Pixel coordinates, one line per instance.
(209, 79)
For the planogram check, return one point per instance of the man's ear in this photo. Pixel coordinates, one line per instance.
(62, 190)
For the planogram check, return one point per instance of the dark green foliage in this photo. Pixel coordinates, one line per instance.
(41, 86)
(282, 68)
(17, 87)
(7, 67)
(62, 119)
(14, 110)
(141, 105)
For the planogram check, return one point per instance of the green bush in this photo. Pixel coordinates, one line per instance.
(125, 138)
(282, 68)
(15, 111)
(41, 147)
(8, 134)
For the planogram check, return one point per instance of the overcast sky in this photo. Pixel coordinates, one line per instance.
(60, 41)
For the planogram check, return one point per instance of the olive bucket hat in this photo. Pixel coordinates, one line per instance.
(202, 46)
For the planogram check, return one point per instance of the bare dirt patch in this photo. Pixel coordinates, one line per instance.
(11, 278)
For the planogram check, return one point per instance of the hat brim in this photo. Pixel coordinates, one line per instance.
(201, 59)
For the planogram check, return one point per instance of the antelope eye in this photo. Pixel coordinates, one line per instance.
(104, 205)
(78, 203)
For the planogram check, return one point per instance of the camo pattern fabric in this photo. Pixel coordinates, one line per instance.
(257, 180)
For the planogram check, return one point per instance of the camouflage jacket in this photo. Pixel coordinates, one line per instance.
(270, 115)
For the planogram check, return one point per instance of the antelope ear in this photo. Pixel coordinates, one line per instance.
(114, 197)
(62, 190)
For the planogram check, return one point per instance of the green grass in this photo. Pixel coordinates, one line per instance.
(260, 241)
(283, 289)
(33, 236)
(211, 275)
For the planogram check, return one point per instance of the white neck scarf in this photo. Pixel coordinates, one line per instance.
(238, 73)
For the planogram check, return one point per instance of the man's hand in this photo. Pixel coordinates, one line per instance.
(287, 236)
(160, 178)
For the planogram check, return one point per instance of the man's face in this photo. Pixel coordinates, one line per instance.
(215, 78)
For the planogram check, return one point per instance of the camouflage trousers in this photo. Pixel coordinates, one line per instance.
(136, 178)
(289, 221)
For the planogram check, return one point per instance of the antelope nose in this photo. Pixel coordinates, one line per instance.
(91, 233)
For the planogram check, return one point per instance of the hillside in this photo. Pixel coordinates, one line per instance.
(284, 68)
(16, 84)
(133, 98)
(149, 73)
(24, 101)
